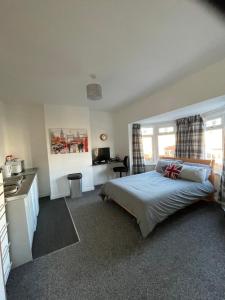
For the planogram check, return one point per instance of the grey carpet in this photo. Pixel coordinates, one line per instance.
(55, 229)
(182, 259)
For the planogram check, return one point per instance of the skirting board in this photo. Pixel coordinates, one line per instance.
(44, 195)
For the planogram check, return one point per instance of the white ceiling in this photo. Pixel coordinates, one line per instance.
(49, 47)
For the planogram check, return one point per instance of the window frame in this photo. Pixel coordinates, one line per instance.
(210, 117)
(149, 162)
(166, 132)
(156, 127)
(213, 126)
(167, 125)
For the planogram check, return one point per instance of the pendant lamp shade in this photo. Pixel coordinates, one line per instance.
(94, 91)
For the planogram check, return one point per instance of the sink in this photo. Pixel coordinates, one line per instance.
(12, 184)
(10, 189)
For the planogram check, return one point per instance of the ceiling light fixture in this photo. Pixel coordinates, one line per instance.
(94, 90)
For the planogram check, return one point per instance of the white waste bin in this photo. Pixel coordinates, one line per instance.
(75, 184)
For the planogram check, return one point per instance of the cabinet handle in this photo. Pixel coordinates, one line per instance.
(2, 206)
(6, 273)
(2, 214)
(2, 230)
(5, 233)
(5, 251)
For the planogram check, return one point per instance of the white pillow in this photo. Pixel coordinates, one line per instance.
(191, 173)
(198, 165)
(163, 163)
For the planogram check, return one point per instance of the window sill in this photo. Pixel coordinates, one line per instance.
(150, 163)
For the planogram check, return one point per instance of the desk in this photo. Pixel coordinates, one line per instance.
(104, 172)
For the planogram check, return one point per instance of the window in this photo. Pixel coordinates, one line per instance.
(166, 129)
(161, 141)
(147, 136)
(214, 142)
(147, 148)
(166, 145)
(147, 131)
(213, 123)
(166, 141)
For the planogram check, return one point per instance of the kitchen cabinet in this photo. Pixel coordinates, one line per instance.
(2, 282)
(5, 263)
(22, 212)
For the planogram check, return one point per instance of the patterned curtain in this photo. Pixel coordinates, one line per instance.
(190, 137)
(138, 155)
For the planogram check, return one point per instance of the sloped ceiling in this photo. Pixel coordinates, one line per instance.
(215, 105)
(48, 48)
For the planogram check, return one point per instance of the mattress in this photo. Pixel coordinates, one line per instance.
(151, 197)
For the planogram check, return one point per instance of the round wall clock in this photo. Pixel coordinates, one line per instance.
(103, 136)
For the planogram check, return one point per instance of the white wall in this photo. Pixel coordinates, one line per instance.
(39, 148)
(18, 132)
(25, 138)
(102, 122)
(60, 165)
(24, 134)
(207, 84)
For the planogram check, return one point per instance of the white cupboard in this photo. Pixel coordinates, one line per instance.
(5, 263)
(22, 212)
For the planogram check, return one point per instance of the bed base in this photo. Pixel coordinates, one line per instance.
(107, 198)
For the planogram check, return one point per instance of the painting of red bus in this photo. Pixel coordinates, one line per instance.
(68, 140)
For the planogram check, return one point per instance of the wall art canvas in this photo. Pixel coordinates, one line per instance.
(68, 140)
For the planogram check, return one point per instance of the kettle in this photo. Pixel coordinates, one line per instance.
(7, 170)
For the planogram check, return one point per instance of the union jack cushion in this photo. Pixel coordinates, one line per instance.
(172, 171)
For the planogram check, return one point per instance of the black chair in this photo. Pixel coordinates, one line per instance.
(124, 168)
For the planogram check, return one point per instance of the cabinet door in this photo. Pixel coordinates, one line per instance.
(36, 194)
(1, 177)
(2, 228)
(29, 216)
(2, 283)
(2, 200)
(34, 207)
(100, 174)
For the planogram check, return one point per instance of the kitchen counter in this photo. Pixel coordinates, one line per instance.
(29, 175)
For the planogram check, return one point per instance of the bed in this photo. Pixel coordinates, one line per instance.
(150, 197)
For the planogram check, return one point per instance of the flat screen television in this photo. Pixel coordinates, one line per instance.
(101, 155)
